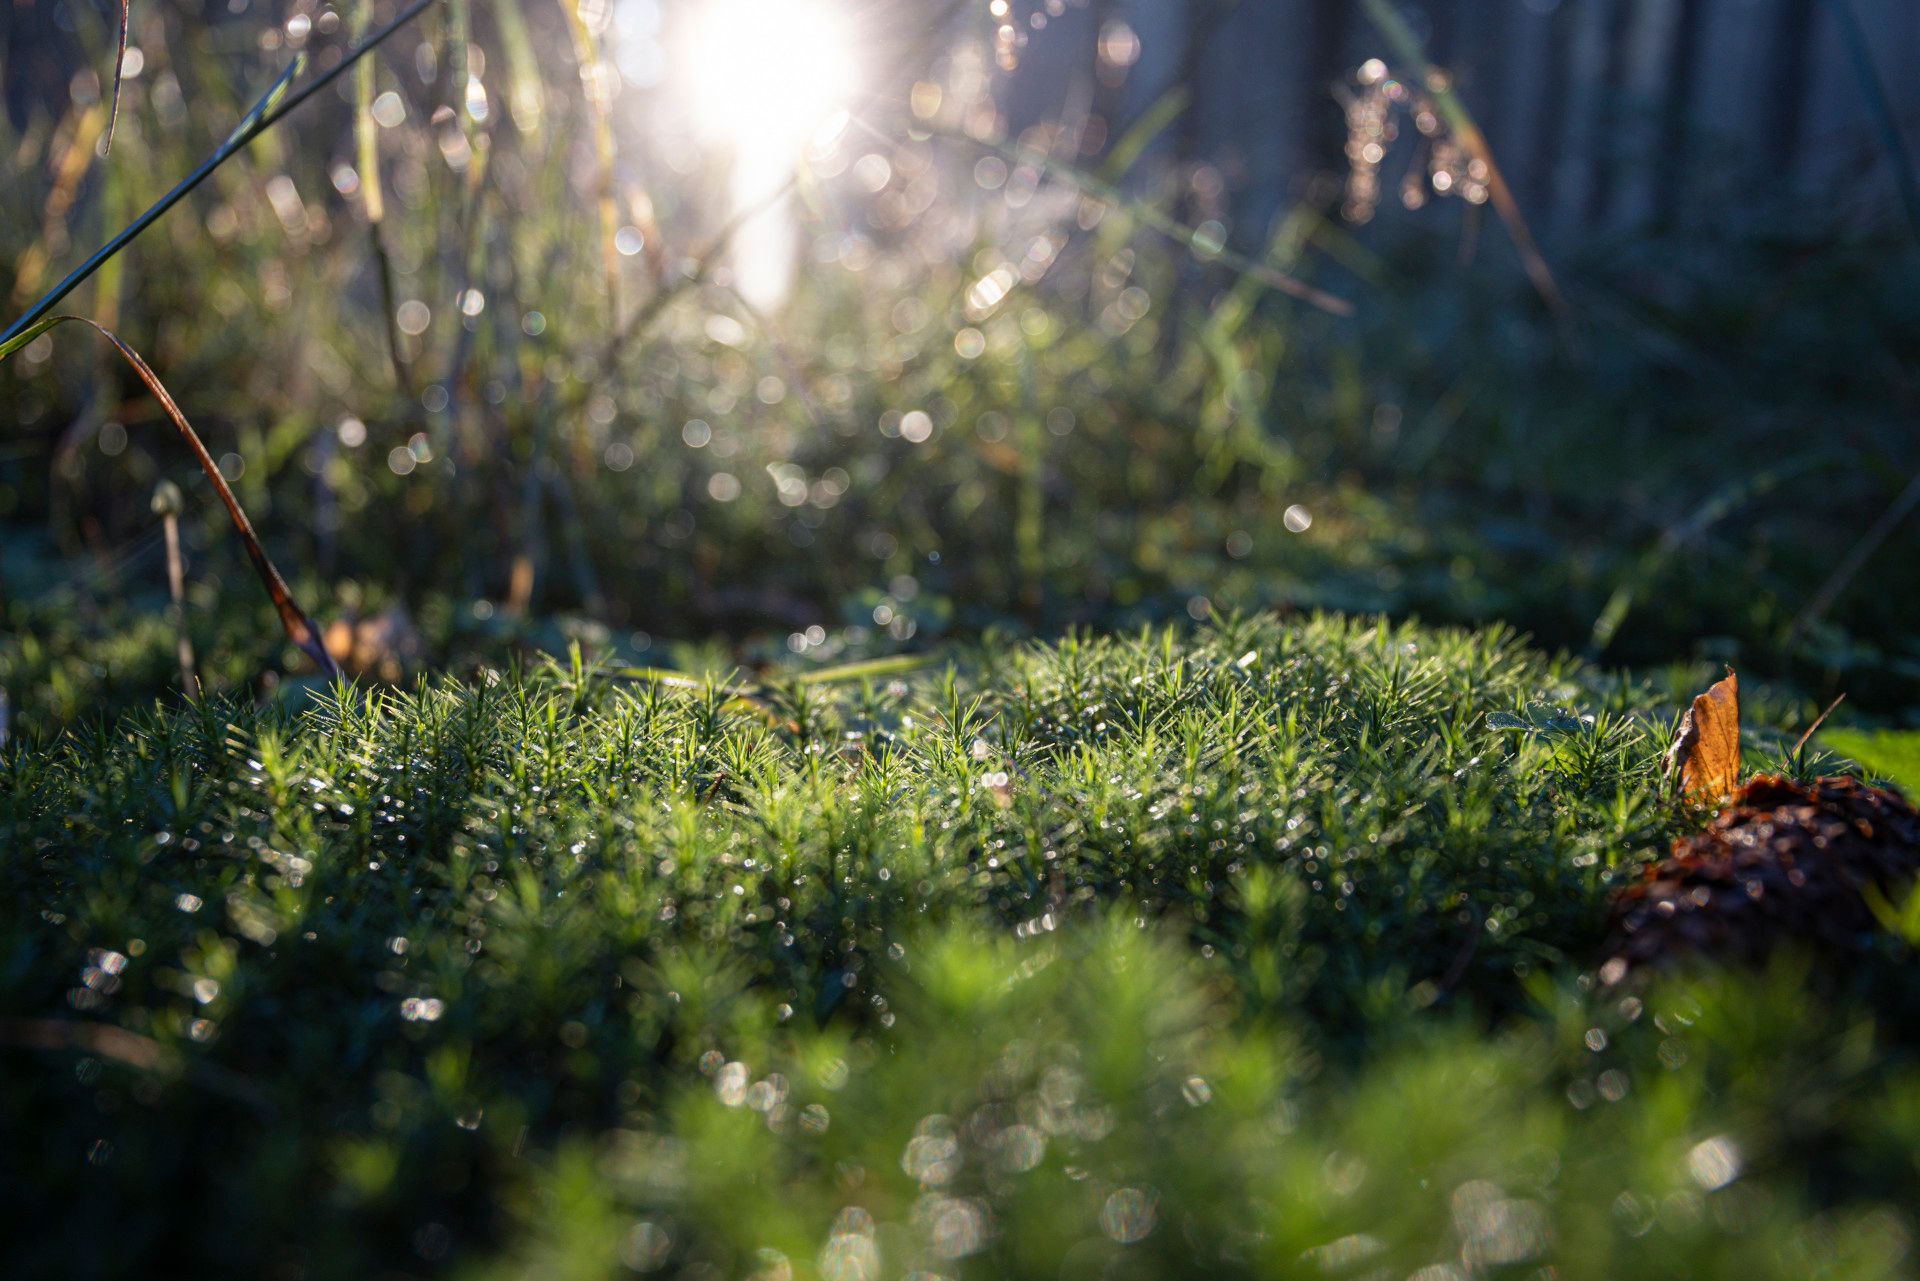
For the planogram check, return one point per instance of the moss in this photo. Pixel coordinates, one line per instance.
(1254, 950)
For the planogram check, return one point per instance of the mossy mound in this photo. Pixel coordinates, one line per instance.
(1253, 952)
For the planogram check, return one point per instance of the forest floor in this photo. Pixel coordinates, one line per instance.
(1247, 950)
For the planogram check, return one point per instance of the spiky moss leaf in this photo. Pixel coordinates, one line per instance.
(1171, 954)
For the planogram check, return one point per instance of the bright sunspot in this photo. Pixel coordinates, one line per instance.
(769, 73)
(768, 77)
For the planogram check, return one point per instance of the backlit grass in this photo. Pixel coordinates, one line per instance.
(1255, 952)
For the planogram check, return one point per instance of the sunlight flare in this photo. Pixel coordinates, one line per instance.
(769, 73)
(769, 77)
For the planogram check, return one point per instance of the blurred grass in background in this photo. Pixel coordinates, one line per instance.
(991, 399)
(1246, 947)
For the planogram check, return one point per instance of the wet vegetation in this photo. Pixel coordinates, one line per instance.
(1013, 385)
(1252, 951)
(924, 774)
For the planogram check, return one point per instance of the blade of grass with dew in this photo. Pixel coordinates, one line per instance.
(263, 117)
(1409, 50)
(119, 75)
(299, 628)
(373, 198)
(586, 51)
(526, 94)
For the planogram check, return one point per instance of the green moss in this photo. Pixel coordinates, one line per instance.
(1247, 952)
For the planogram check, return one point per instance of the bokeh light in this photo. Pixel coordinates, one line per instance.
(768, 73)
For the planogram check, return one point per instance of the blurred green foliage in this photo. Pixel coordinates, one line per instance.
(1887, 753)
(992, 400)
(1256, 952)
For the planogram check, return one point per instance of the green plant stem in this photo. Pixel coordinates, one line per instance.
(1409, 51)
(264, 116)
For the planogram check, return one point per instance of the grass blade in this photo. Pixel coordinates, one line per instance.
(526, 99)
(865, 669)
(299, 628)
(1409, 51)
(373, 197)
(119, 74)
(586, 51)
(264, 116)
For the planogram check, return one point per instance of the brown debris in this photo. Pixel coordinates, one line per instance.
(385, 647)
(1784, 862)
(1706, 752)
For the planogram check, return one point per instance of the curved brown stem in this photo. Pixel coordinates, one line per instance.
(299, 628)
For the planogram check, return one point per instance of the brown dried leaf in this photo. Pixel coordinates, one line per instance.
(1706, 752)
(385, 647)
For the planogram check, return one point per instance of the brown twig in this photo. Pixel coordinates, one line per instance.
(132, 1050)
(167, 504)
(299, 628)
(1814, 728)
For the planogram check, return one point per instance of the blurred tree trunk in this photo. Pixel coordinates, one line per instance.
(1539, 166)
(1789, 65)
(1672, 157)
(1324, 141)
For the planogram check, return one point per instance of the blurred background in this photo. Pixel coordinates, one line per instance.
(721, 331)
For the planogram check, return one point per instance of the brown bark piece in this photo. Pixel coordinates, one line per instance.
(1785, 862)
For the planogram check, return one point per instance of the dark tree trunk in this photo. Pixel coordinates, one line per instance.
(1604, 136)
(1550, 136)
(1672, 157)
(1789, 65)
